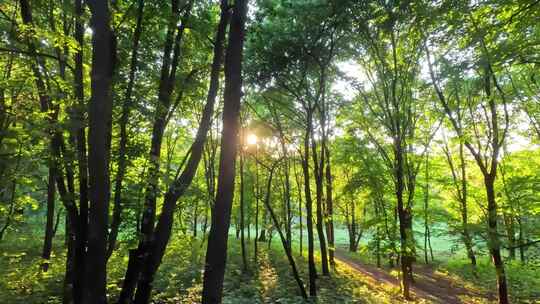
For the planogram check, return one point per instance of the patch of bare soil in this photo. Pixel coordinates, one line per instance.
(428, 284)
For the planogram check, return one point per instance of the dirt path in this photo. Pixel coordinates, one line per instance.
(428, 284)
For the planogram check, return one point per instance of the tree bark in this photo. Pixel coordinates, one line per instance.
(49, 226)
(166, 86)
(309, 217)
(286, 246)
(318, 166)
(405, 223)
(11, 210)
(242, 203)
(493, 239)
(126, 109)
(216, 253)
(99, 118)
(163, 228)
(330, 208)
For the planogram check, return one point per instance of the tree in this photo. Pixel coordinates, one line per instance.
(216, 252)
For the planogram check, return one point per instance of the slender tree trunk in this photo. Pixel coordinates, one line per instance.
(79, 236)
(216, 253)
(509, 224)
(122, 149)
(286, 247)
(318, 169)
(353, 246)
(150, 262)
(493, 239)
(99, 117)
(330, 209)
(462, 194)
(521, 239)
(195, 218)
(405, 224)
(309, 217)
(166, 86)
(427, 231)
(242, 203)
(68, 286)
(256, 239)
(11, 209)
(262, 233)
(56, 142)
(49, 226)
(298, 186)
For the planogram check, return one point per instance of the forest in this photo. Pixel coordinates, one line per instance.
(269, 151)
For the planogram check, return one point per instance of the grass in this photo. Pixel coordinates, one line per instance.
(180, 276)
(523, 279)
(179, 279)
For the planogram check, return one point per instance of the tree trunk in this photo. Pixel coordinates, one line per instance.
(318, 166)
(49, 226)
(427, 231)
(330, 209)
(166, 86)
(521, 239)
(493, 239)
(11, 210)
(298, 186)
(353, 245)
(242, 203)
(216, 253)
(126, 109)
(286, 247)
(256, 239)
(99, 118)
(405, 224)
(309, 217)
(56, 142)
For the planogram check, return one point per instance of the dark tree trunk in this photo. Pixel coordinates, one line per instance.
(427, 231)
(286, 247)
(309, 217)
(56, 141)
(493, 239)
(11, 210)
(195, 219)
(330, 209)
(262, 233)
(79, 236)
(405, 224)
(298, 186)
(163, 228)
(49, 226)
(99, 118)
(216, 253)
(257, 197)
(166, 86)
(242, 203)
(353, 229)
(126, 109)
(461, 190)
(318, 166)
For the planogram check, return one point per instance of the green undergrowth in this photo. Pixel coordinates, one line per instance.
(179, 279)
(523, 279)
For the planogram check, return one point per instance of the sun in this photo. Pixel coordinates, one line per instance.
(251, 139)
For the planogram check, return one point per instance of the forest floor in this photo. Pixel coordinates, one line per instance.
(355, 280)
(429, 284)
